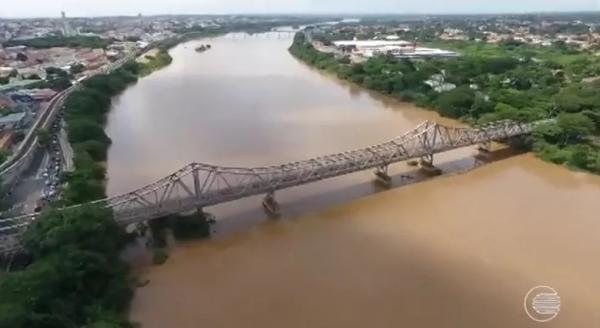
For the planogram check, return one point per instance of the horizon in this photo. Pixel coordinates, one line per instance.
(347, 15)
(149, 8)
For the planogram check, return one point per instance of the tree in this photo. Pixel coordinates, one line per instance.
(575, 126)
(457, 102)
(77, 276)
(22, 57)
(76, 69)
(57, 78)
(549, 132)
(4, 153)
(44, 137)
(96, 149)
(81, 130)
(87, 228)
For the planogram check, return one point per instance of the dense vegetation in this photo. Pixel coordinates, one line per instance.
(85, 115)
(154, 63)
(79, 41)
(508, 81)
(76, 279)
(56, 79)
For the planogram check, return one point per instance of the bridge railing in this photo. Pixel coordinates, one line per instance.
(200, 185)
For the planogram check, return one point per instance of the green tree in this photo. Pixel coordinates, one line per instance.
(77, 277)
(575, 126)
(4, 154)
(76, 69)
(456, 103)
(44, 137)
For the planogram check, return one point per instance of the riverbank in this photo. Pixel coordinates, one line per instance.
(154, 62)
(345, 243)
(571, 141)
(85, 116)
(445, 244)
(80, 247)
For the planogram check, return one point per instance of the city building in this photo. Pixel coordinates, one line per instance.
(438, 83)
(67, 30)
(6, 139)
(397, 48)
(13, 121)
(39, 94)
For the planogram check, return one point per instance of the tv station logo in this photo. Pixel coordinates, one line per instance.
(542, 303)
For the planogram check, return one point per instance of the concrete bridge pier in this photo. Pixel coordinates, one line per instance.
(426, 163)
(426, 160)
(485, 147)
(207, 217)
(270, 205)
(484, 150)
(381, 173)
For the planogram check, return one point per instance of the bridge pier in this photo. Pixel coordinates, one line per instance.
(484, 151)
(270, 205)
(426, 163)
(485, 147)
(426, 160)
(382, 176)
(207, 217)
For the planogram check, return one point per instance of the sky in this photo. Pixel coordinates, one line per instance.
(73, 8)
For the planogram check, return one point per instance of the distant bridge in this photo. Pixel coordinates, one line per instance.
(275, 34)
(200, 185)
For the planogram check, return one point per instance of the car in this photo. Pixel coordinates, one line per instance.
(47, 182)
(45, 175)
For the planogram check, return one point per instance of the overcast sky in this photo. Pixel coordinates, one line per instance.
(52, 8)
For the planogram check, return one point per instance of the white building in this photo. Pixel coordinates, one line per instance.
(397, 48)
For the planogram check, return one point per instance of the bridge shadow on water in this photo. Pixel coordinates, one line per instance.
(292, 206)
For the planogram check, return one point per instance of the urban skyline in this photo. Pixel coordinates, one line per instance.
(37, 8)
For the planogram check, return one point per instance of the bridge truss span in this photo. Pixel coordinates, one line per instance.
(200, 185)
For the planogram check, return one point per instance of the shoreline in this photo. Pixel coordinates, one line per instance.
(304, 50)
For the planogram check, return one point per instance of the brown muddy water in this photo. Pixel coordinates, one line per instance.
(455, 251)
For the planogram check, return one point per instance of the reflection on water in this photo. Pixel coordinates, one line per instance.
(456, 251)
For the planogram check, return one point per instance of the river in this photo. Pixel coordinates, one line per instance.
(459, 250)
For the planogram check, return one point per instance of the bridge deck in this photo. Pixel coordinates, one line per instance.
(200, 185)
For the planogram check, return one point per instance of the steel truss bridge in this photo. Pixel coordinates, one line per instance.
(270, 35)
(200, 185)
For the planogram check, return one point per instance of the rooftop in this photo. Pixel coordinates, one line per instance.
(372, 43)
(12, 118)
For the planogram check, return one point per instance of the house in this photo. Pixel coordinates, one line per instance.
(437, 83)
(13, 121)
(41, 94)
(6, 140)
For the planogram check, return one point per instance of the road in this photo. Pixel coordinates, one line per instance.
(13, 163)
(38, 180)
